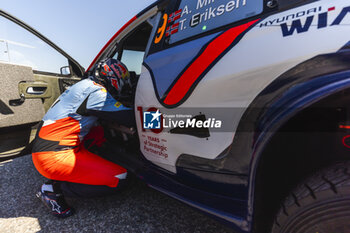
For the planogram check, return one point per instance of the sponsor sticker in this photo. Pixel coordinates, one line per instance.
(304, 19)
(118, 104)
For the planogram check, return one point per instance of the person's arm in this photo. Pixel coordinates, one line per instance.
(102, 105)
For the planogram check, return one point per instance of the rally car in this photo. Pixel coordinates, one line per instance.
(241, 107)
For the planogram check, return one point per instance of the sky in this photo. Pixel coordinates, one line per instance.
(79, 27)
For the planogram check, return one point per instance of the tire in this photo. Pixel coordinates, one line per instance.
(319, 204)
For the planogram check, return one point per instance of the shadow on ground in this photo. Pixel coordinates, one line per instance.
(138, 209)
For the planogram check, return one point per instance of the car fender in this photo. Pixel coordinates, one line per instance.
(294, 91)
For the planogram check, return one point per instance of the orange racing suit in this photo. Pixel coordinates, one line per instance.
(58, 152)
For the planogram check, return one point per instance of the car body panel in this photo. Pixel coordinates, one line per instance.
(262, 55)
(11, 76)
(238, 82)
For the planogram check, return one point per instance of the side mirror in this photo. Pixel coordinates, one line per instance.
(65, 70)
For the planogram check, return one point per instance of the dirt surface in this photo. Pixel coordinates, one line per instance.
(138, 209)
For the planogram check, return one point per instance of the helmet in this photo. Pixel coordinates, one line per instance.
(114, 76)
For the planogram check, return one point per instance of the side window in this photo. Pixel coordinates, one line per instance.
(133, 60)
(135, 45)
(197, 17)
(19, 46)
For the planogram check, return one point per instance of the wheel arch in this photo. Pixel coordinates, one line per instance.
(292, 141)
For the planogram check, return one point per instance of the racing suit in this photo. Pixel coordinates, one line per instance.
(58, 152)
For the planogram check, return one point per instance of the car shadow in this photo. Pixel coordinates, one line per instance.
(137, 209)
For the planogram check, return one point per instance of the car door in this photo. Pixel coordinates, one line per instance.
(33, 73)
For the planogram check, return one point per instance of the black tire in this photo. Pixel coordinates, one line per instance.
(319, 204)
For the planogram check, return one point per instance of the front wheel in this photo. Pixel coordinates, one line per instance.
(320, 204)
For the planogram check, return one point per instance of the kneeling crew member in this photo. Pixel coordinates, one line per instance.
(58, 152)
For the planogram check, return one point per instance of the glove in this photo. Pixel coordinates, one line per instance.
(96, 134)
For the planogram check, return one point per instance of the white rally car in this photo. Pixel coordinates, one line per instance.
(241, 106)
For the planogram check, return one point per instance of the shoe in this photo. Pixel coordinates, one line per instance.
(56, 203)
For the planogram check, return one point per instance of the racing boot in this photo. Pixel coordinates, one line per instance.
(54, 200)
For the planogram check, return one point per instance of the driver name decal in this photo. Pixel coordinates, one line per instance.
(195, 17)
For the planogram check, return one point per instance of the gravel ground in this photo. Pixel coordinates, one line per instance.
(138, 209)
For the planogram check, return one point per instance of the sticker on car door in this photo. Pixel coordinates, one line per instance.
(196, 17)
